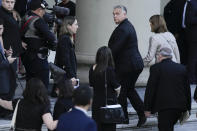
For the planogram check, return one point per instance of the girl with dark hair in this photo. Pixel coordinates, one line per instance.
(162, 38)
(34, 109)
(65, 53)
(101, 72)
(64, 101)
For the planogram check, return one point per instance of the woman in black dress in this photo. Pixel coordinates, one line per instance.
(64, 102)
(34, 109)
(104, 68)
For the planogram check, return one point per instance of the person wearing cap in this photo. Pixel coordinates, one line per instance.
(168, 91)
(39, 39)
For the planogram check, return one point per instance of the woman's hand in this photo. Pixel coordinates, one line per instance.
(74, 81)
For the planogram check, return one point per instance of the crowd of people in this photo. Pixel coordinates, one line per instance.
(25, 36)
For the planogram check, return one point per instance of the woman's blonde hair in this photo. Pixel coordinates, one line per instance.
(68, 20)
(158, 24)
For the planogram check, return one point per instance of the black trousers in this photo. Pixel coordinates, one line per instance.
(127, 82)
(183, 47)
(36, 67)
(167, 119)
(192, 62)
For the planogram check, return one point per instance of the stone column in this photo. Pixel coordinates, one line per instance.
(96, 25)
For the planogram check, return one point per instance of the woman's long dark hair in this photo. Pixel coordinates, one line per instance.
(104, 59)
(36, 92)
(65, 89)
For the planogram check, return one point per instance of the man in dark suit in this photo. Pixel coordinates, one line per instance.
(190, 25)
(77, 119)
(173, 13)
(167, 91)
(128, 62)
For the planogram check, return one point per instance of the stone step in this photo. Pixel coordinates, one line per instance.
(133, 119)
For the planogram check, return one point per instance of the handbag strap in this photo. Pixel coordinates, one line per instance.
(12, 125)
(105, 88)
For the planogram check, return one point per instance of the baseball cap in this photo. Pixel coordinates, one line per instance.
(35, 4)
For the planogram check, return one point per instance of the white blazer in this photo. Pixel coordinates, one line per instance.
(158, 41)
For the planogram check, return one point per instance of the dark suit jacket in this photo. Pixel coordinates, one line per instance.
(76, 120)
(173, 13)
(191, 21)
(4, 74)
(124, 46)
(168, 87)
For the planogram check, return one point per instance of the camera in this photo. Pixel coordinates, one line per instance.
(51, 18)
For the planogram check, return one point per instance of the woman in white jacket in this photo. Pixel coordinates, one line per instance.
(162, 38)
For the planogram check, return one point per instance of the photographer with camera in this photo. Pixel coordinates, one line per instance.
(39, 39)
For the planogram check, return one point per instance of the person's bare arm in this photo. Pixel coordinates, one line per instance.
(6, 104)
(48, 120)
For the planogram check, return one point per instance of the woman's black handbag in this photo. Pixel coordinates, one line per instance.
(111, 113)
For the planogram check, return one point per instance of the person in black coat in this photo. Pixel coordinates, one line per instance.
(168, 91)
(128, 62)
(173, 14)
(65, 52)
(11, 34)
(100, 74)
(39, 39)
(190, 27)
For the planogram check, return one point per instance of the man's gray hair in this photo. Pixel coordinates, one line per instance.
(122, 7)
(166, 52)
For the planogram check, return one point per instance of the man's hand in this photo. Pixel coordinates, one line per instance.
(11, 59)
(147, 113)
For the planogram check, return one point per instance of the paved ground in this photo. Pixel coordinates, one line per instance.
(151, 124)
